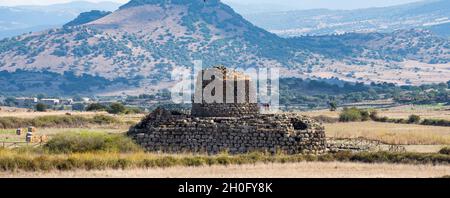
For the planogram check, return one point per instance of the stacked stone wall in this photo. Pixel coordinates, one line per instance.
(268, 133)
(224, 110)
(243, 102)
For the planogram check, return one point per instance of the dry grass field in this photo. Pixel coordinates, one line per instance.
(53, 131)
(24, 114)
(290, 170)
(32, 114)
(418, 138)
(390, 133)
(9, 134)
(424, 111)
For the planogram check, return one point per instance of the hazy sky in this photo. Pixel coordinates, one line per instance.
(295, 4)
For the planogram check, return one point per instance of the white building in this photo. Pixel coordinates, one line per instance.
(50, 102)
(26, 102)
(66, 101)
(86, 100)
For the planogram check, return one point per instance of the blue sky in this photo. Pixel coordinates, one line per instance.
(294, 4)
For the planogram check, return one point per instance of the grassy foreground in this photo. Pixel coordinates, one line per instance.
(259, 170)
(102, 151)
(12, 160)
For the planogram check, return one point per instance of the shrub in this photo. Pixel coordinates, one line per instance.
(374, 115)
(401, 121)
(414, 119)
(365, 116)
(117, 108)
(436, 122)
(96, 107)
(383, 119)
(445, 151)
(133, 111)
(350, 115)
(90, 142)
(104, 119)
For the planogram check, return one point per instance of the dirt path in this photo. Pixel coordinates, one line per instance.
(297, 170)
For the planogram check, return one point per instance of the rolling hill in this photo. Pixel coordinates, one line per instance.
(135, 49)
(383, 19)
(23, 19)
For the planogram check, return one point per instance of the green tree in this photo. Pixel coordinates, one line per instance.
(333, 106)
(41, 107)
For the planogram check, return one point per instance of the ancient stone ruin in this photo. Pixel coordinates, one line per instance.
(233, 127)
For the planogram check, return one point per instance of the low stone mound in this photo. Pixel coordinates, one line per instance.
(291, 134)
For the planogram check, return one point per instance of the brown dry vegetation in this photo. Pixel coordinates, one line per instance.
(289, 170)
(431, 112)
(23, 113)
(390, 133)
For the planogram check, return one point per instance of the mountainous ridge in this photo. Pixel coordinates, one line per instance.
(381, 19)
(87, 17)
(145, 40)
(16, 20)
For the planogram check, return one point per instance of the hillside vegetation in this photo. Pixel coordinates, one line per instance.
(421, 14)
(144, 41)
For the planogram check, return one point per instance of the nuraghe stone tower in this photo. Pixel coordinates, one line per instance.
(233, 107)
(234, 127)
